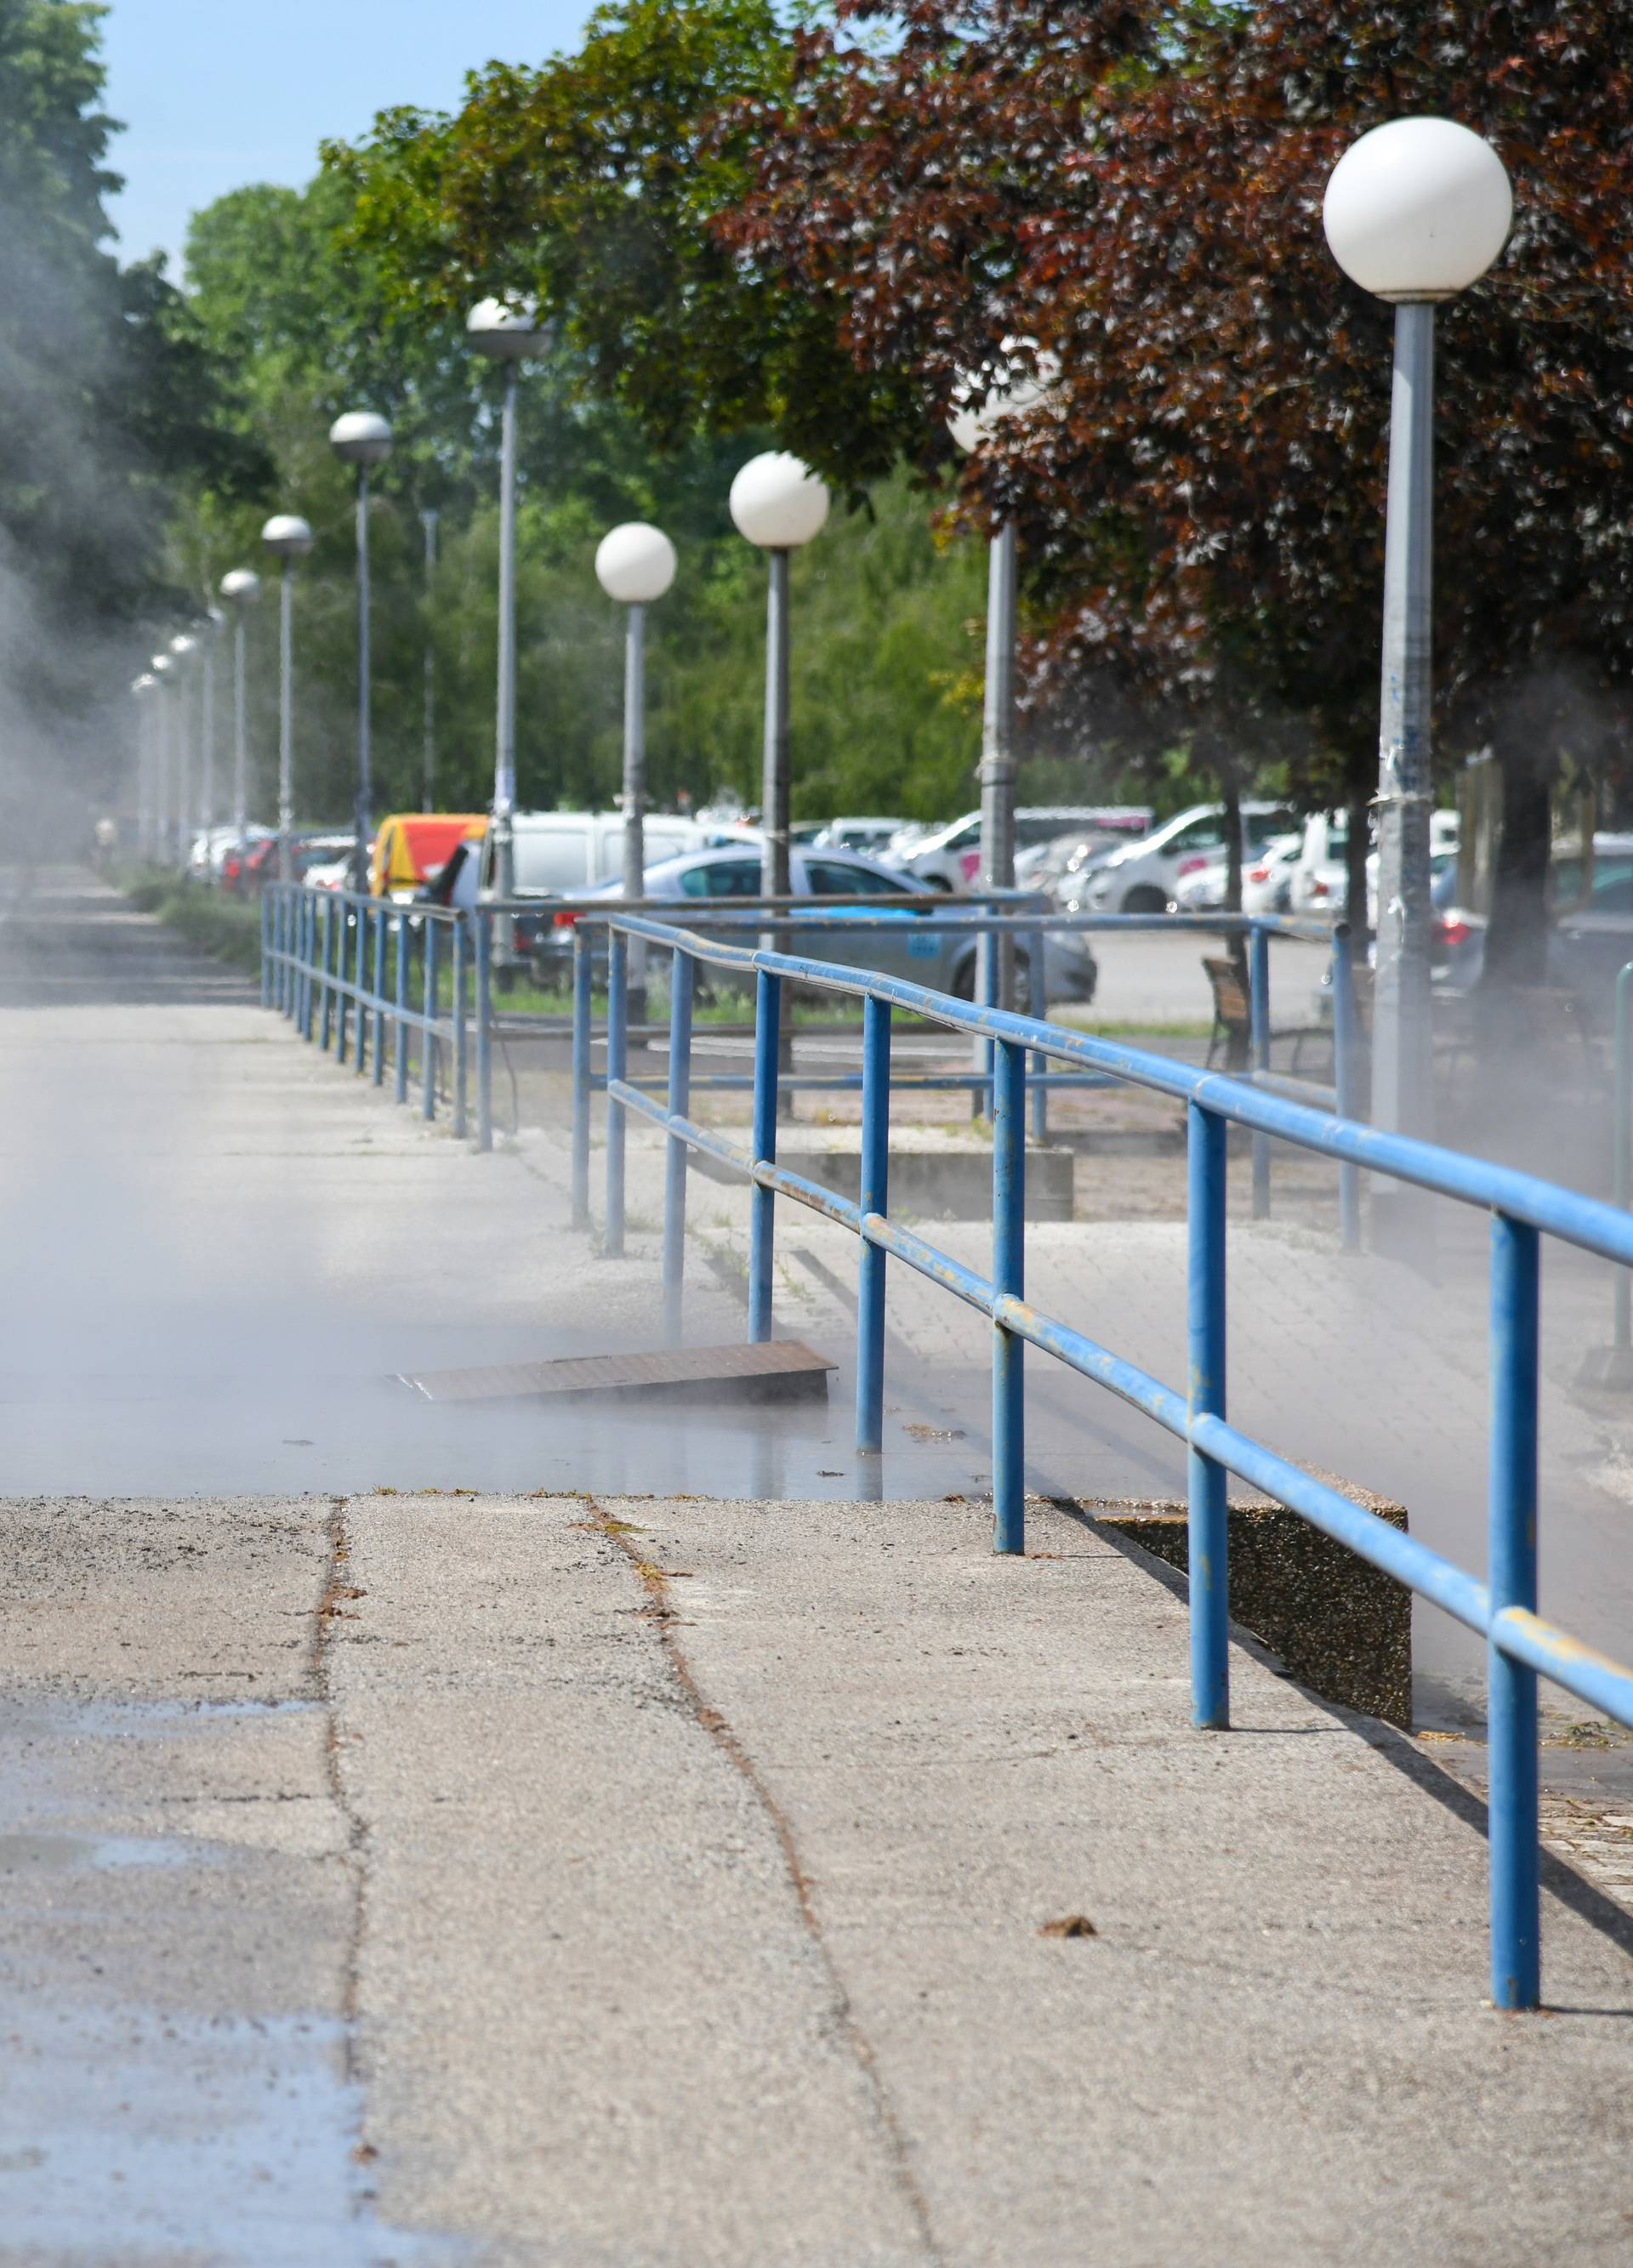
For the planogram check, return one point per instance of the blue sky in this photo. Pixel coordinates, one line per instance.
(215, 94)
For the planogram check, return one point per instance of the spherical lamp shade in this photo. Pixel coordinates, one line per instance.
(360, 438)
(241, 587)
(1418, 209)
(163, 667)
(507, 331)
(183, 647)
(144, 683)
(635, 563)
(777, 503)
(985, 399)
(287, 536)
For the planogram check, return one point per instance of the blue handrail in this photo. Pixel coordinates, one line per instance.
(1520, 1645)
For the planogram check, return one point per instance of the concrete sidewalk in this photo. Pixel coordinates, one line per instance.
(550, 1881)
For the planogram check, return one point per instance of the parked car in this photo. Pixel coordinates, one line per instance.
(950, 858)
(1143, 877)
(412, 847)
(1320, 880)
(561, 853)
(305, 852)
(943, 960)
(873, 837)
(1266, 881)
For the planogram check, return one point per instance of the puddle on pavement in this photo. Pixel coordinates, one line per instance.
(105, 1852)
(129, 2137)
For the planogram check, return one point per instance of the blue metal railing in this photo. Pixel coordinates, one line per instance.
(1503, 1608)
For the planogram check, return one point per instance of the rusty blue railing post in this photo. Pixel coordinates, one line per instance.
(1038, 1006)
(583, 1002)
(618, 1068)
(308, 962)
(1259, 1015)
(359, 977)
(680, 977)
(266, 943)
(1008, 1281)
(1512, 1572)
(983, 1099)
(1209, 1528)
(380, 997)
(485, 1028)
(763, 1202)
(1346, 1078)
(876, 1198)
(428, 1036)
(343, 1006)
(462, 1038)
(1622, 1164)
(401, 987)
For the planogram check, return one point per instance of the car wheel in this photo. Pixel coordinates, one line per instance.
(1144, 899)
(964, 983)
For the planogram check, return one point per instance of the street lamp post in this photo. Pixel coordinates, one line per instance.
(635, 564)
(978, 410)
(143, 687)
(509, 332)
(428, 520)
(184, 652)
(778, 504)
(1415, 211)
(287, 538)
(362, 439)
(241, 589)
(214, 623)
(164, 670)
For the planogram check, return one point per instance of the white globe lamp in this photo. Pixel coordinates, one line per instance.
(777, 503)
(1417, 210)
(635, 563)
(360, 438)
(241, 587)
(987, 399)
(287, 536)
(509, 330)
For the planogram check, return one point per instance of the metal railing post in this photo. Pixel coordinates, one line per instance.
(762, 1202)
(462, 1038)
(1038, 1006)
(343, 1019)
(1346, 1078)
(582, 1002)
(1008, 1281)
(983, 1099)
(485, 1028)
(428, 1037)
(1622, 1164)
(680, 977)
(266, 943)
(618, 1068)
(359, 977)
(401, 988)
(1259, 1015)
(875, 1197)
(1511, 1564)
(379, 997)
(308, 962)
(1209, 1482)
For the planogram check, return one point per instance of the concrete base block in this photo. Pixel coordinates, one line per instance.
(1607, 1370)
(1341, 1627)
(943, 1183)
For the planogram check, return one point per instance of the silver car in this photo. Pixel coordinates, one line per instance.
(943, 960)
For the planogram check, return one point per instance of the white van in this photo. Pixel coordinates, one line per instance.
(559, 853)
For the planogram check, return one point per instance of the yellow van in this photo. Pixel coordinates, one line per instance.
(412, 847)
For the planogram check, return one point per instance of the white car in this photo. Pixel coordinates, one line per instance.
(557, 853)
(950, 858)
(1264, 880)
(871, 836)
(1144, 877)
(1320, 881)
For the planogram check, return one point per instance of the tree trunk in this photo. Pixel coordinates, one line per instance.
(1517, 940)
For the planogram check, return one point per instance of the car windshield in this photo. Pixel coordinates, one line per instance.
(834, 878)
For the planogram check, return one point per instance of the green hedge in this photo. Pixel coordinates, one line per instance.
(225, 928)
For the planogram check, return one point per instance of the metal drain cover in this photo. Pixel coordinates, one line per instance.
(777, 1370)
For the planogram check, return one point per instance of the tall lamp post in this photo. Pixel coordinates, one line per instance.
(184, 652)
(288, 538)
(635, 564)
(214, 623)
(164, 670)
(1415, 211)
(978, 410)
(778, 504)
(507, 331)
(428, 520)
(143, 687)
(363, 438)
(240, 587)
